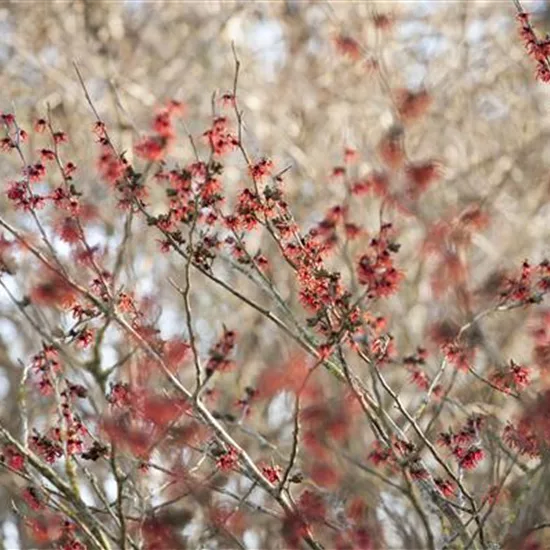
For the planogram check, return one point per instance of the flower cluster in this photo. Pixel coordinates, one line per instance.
(45, 365)
(121, 396)
(47, 447)
(22, 192)
(381, 455)
(13, 458)
(261, 169)
(348, 47)
(228, 460)
(540, 332)
(448, 240)
(33, 499)
(538, 49)
(530, 435)
(530, 285)
(220, 138)
(459, 355)
(327, 229)
(522, 438)
(515, 377)
(412, 105)
(414, 364)
(376, 269)
(464, 445)
(421, 175)
(155, 147)
(376, 182)
(271, 473)
(219, 355)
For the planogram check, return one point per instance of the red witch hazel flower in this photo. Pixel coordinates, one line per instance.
(376, 182)
(228, 460)
(44, 364)
(418, 472)
(261, 169)
(219, 354)
(383, 21)
(272, 473)
(464, 445)
(446, 486)
(13, 458)
(228, 99)
(531, 434)
(47, 154)
(376, 269)
(162, 125)
(8, 119)
(155, 147)
(538, 49)
(220, 139)
(68, 230)
(84, 338)
(515, 377)
(459, 356)
(152, 148)
(32, 499)
(420, 379)
(111, 167)
(348, 47)
(121, 395)
(99, 129)
(40, 126)
(45, 447)
(55, 291)
(391, 149)
(338, 172)
(380, 455)
(421, 176)
(6, 144)
(60, 137)
(522, 438)
(469, 459)
(312, 506)
(35, 172)
(350, 155)
(175, 107)
(70, 169)
(412, 105)
(531, 284)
